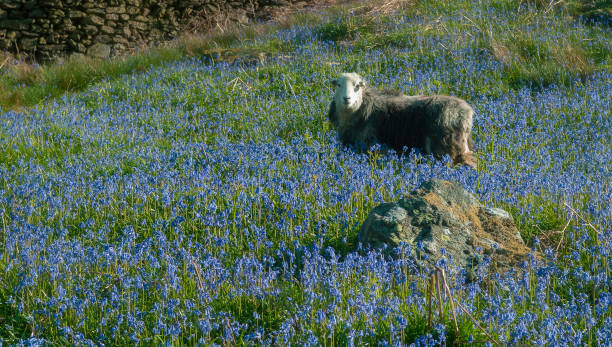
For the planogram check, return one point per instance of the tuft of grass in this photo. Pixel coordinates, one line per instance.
(345, 29)
(529, 62)
(13, 325)
(549, 218)
(596, 10)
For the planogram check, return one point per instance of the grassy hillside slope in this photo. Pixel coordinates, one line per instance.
(206, 200)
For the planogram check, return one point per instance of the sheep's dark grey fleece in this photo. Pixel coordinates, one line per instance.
(437, 124)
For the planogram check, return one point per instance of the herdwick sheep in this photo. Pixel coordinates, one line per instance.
(437, 124)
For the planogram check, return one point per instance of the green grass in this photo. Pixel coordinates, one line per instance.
(528, 61)
(23, 84)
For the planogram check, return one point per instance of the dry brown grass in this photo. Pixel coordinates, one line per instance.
(212, 39)
(285, 15)
(501, 52)
(194, 44)
(562, 54)
(202, 36)
(546, 5)
(4, 60)
(573, 58)
(203, 24)
(387, 7)
(26, 73)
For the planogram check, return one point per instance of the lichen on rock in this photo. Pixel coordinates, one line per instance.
(441, 220)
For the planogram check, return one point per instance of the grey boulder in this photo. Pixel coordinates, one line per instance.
(441, 220)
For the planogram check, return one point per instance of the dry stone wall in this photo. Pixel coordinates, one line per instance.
(48, 28)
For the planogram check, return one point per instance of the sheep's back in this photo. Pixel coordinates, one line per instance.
(449, 112)
(402, 122)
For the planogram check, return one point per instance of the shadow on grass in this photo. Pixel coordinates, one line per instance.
(13, 326)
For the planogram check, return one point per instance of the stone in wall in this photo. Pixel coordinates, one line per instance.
(47, 28)
(99, 50)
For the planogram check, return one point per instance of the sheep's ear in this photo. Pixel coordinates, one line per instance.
(361, 84)
(334, 82)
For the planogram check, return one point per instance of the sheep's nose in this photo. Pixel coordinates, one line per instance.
(346, 99)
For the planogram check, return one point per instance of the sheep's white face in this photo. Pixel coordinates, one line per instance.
(349, 92)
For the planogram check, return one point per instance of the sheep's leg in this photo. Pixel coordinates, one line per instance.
(427, 145)
(464, 154)
(367, 137)
(466, 146)
(467, 158)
